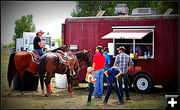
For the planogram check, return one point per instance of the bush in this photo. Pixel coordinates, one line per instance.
(10, 45)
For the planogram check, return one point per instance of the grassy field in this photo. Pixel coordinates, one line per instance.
(61, 100)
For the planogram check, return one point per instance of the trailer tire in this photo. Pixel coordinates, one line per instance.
(142, 83)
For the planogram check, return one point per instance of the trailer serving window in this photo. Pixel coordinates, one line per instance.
(138, 40)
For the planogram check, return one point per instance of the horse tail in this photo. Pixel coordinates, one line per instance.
(11, 67)
(41, 70)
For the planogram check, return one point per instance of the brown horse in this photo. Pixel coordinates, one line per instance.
(19, 63)
(62, 63)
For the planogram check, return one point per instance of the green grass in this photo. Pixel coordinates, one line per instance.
(145, 104)
(4, 65)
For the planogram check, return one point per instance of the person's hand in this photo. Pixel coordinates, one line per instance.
(130, 68)
(116, 77)
(43, 45)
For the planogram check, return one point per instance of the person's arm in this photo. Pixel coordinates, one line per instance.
(109, 60)
(40, 44)
(93, 65)
(116, 61)
(91, 80)
(106, 73)
(118, 74)
(131, 63)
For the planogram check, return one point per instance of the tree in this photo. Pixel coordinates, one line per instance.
(25, 24)
(59, 41)
(163, 6)
(86, 8)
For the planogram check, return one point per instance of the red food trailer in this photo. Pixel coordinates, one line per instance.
(157, 35)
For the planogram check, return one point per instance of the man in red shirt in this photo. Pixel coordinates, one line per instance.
(98, 65)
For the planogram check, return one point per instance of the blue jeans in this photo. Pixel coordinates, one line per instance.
(40, 51)
(126, 84)
(98, 89)
(90, 91)
(110, 87)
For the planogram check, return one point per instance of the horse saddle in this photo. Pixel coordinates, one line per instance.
(62, 57)
(65, 57)
(35, 56)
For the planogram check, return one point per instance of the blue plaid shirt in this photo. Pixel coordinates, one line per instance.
(123, 61)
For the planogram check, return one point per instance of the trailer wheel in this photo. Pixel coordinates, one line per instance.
(142, 83)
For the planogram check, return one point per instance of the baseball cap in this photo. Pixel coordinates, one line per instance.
(39, 31)
(106, 49)
(121, 48)
(89, 69)
(99, 47)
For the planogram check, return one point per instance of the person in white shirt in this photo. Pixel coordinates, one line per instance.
(90, 79)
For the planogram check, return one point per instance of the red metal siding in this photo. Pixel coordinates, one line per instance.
(87, 33)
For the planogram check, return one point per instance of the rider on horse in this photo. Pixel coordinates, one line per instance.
(38, 45)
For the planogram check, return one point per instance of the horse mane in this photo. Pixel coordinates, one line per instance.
(59, 48)
(80, 53)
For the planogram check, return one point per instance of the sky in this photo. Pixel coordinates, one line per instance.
(47, 15)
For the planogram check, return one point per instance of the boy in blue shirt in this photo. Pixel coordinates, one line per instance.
(112, 75)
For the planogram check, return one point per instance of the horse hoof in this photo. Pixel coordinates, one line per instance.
(43, 95)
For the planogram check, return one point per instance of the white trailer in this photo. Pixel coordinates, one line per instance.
(26, 42)
(19, 44)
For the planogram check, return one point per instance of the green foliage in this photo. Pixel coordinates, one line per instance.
(25, 24)
(163, 6)
(11, 45)
(5, 46)
(86, 8)
(59, 41)
(91, 8)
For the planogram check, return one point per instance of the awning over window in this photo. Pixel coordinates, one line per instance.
(126, 34)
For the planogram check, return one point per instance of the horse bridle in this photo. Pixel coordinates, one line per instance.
(72, 72)
(80, 68)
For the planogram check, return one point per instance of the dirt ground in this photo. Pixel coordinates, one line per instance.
(61, 100)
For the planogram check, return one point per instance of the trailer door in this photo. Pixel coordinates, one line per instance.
(19, 44)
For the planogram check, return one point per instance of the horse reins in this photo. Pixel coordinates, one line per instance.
(79, 69)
